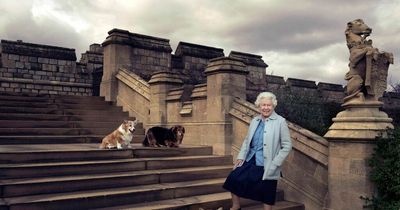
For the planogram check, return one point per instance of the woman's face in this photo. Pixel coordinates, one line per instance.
(266, 107)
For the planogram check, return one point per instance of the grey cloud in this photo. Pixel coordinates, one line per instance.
(49, 33)
(292, 29)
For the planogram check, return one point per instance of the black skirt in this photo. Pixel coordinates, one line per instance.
(246, 182)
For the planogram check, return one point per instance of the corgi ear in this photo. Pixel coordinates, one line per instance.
(135, 122)
(125, 121)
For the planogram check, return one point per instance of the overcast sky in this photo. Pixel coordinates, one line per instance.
(297, 38)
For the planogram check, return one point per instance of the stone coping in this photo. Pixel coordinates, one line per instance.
(134, 81)
(124, 37)
(196, 50)
(165, 77)
(273, 79)
(330, 86)
(301, 83)
(37, 50)
(249, 59)
(225, 65)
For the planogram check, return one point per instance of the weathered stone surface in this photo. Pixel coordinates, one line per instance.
(197, 51)
(36, 50)
(348, 174)
(301, 83)
(27, 64)
(118, 36)
(249, 59)
(367, 76)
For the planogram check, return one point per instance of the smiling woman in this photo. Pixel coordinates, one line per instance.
(258, 164)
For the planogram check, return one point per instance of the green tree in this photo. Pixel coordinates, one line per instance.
(385, 173)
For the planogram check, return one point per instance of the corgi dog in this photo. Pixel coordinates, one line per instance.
(120, 137)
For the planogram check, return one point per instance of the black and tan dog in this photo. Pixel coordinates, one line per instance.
(159, 136)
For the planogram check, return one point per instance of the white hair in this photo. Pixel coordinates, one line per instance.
(266, 95)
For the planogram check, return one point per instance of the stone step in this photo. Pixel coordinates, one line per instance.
(58, 131)
(112, 111)
(3, 205)
(35, 153)
(116, 196)
(85, 105)
(57, 139)
(50, 185)
(280, 205)
(51, 139)
(26, 170)
(63, 102)
(147, 152)
(63, 124)
(59, 153)
(6, 96)
(208, 201)
(61, 117)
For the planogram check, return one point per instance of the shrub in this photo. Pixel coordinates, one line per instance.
(310, 112)
(385, 173)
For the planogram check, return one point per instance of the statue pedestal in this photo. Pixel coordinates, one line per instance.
(351, 142)
(359, 120)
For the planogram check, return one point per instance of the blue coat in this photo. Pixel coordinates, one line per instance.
(276, 144)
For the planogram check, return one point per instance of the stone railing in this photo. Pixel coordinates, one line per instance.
(133, 94)
(305, 172)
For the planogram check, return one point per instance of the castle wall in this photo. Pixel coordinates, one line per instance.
(192, 59)
(92, 59)
(42, 69)
(255, 66)
(141, 54)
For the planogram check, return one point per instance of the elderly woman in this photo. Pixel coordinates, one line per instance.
(258, 164)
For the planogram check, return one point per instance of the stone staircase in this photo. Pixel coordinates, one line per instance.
(49, 159)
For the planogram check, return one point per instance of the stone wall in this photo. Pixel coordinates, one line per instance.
(325, 91)
(256, 67)
(139, 53)
(92, 62)
(41, 69)
(145, 55)
(192, 59)
(92, 59)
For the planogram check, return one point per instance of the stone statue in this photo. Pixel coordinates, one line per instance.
(368, 67)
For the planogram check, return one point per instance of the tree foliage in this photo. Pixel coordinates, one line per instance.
(385, 173)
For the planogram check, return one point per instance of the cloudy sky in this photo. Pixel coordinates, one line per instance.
(297, 38)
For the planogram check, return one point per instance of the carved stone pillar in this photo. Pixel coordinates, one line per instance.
(160, 84)
(116, 54)
(351, 142)
(226, 80)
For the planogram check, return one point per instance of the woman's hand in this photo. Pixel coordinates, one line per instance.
(238, 163)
